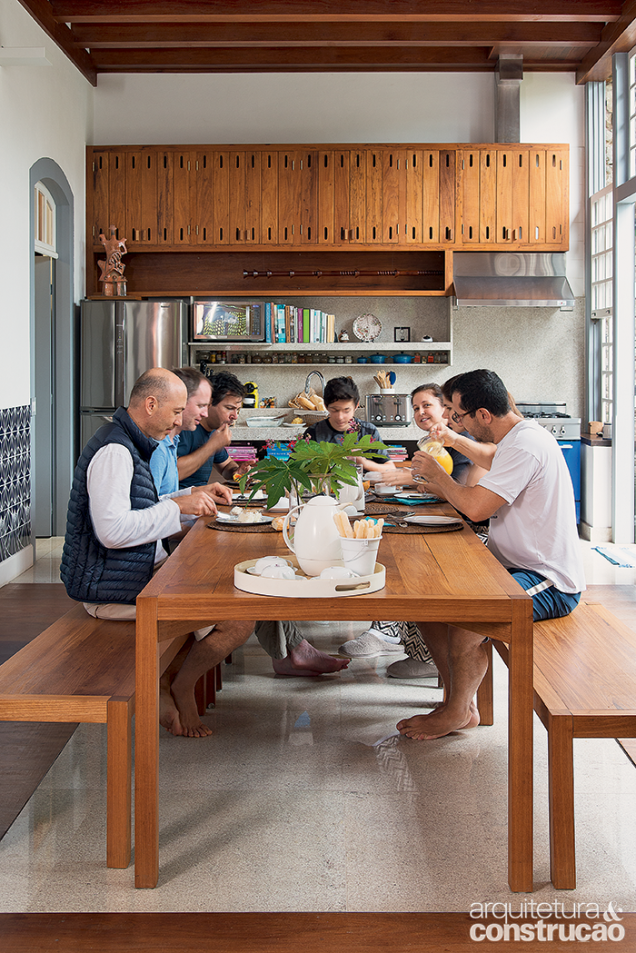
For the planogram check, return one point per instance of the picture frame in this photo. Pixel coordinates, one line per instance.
(401, 335)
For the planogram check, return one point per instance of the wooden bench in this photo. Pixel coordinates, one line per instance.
(82, 669)
(584, 687)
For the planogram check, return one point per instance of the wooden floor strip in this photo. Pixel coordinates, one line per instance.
(274, 932)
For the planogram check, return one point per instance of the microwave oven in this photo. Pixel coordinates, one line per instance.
(228, 320)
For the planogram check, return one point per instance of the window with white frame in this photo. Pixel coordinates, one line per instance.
(601, 234)
(44, 225)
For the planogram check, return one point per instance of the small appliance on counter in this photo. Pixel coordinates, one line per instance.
(251, 394)
(227, 320)
(389, 410)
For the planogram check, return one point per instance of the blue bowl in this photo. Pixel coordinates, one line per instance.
(402, 359)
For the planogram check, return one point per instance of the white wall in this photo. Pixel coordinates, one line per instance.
(294, 107)
(44, 112)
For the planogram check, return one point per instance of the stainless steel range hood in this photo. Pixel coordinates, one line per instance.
(511, 279)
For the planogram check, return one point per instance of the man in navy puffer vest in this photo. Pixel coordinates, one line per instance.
(115, 525)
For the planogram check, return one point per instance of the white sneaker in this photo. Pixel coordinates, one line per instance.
(369, 645)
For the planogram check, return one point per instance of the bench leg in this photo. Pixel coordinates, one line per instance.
(219, 677)
(561, 786)
(485, 692)
(210, 686)
(119, 785)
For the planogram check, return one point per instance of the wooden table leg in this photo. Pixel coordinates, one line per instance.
(147, 746)
(520, 753)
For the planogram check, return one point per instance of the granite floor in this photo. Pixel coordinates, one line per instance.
(304, 799)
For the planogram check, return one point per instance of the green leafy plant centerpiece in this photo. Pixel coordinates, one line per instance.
(317, 467)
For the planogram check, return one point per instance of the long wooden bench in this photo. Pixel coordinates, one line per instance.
(584, 687)
(82, 669)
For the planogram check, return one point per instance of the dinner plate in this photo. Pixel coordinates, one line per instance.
(302, 424)
(231, 518)
(432, 520)
(258, 497)
(414, 499)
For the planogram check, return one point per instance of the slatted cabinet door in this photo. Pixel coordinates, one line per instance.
(487, 196)
(556, 197)
(468, 173)
(117, 193)
(374, 197)
(430, 196)
(245, 197)
(412, 232)
(184, 200)
(447, 196)
(393, 195)
(326, 198)
(99, 209)
(165, 197)
(536, 199)
(269, 198)
(297, 197)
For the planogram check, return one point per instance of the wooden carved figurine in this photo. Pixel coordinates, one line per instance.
(114, 283)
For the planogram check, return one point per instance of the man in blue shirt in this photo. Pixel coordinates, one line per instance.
(203, 449)
(163, 462)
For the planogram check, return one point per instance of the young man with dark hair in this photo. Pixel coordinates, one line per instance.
(527, 495)
(202, 450)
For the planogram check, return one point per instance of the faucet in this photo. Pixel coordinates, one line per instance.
(309, 377)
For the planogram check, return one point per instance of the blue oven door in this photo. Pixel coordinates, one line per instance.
(571, 450)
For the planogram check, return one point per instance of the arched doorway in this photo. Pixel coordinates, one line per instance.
(53, 364)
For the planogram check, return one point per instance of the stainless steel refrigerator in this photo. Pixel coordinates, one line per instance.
(119, 341)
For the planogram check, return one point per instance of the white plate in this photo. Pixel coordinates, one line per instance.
(244, 497)
(385, 490)
(230, 518)
(432, 520)
(301, 424)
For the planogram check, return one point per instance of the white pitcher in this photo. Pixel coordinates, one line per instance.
(315, 540)
(353, 496)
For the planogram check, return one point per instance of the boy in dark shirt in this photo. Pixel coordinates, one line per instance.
(342, 398)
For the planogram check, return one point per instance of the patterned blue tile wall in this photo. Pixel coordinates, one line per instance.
(15, 480)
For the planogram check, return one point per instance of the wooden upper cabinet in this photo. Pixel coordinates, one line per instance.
(375, 196)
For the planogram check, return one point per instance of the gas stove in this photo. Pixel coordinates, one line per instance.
(554, 418)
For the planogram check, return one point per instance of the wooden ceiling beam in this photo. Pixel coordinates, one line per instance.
(307, 59)
(160, 36)
(617, 37)
(279, 11)
(40, 10)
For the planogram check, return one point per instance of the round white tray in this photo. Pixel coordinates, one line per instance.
(309, 587)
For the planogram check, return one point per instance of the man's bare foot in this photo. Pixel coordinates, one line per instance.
(187, 716)
(438, 724)
(305, 660)
(168, 713)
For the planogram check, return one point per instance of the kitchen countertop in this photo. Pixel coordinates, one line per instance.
(241, 433)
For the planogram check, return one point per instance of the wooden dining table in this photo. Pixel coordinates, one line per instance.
(437, 577)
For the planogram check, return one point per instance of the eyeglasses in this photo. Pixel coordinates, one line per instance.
(458, 418)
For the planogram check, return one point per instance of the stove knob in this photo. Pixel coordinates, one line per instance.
(562, 431)
(554, 430)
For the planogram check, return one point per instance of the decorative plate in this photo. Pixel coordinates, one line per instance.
(367, 327)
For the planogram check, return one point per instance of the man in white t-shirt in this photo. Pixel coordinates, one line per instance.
(527, 495)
